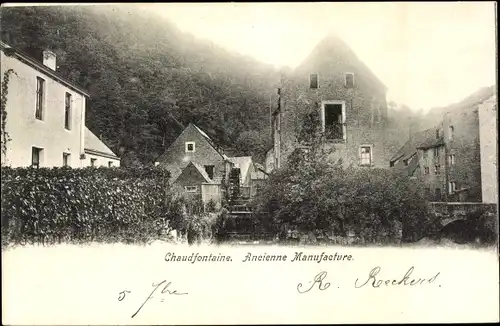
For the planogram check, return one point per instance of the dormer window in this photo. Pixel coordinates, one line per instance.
(190, 147)
(349, 80)
(313, 81)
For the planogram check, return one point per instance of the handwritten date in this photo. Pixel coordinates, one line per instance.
(165, 290)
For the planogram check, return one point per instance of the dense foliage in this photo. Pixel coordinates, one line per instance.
(315, 194)
(370, 203)
(147, 80)
(91, 204)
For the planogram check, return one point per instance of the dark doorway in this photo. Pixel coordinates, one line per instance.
(333, 121)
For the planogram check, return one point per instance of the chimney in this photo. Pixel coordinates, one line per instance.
(49, 59)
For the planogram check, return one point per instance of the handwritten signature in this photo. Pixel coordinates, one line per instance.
(320, 282)
(165, 290)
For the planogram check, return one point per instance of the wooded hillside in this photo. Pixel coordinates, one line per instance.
(147, 79)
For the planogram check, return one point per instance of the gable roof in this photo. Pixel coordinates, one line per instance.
(202, 133)
(430, 142)
(421, 139)
(197, 168)
(333, 41)
(202, 171)
(93, 145)
(32, 62)
(243, 163)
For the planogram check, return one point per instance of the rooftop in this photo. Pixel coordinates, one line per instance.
(94, 145)
(30, 61)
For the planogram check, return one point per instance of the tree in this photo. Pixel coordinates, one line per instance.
(146, 78)
(312, 193)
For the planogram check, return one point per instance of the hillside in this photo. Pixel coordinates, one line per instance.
(436, 114)
(146, 78)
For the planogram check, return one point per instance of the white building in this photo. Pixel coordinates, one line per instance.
(488, 136)
(45, 116)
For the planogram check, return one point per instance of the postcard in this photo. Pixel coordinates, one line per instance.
(249, 163)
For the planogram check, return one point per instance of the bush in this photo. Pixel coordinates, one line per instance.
(372, 205)
(90, 204)
(211, 206)
(220, 226)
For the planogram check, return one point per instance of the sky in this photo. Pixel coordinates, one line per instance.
(427, 54)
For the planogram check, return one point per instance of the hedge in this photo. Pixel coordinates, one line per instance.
(89, 204)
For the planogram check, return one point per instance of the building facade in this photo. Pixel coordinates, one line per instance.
(347, 100)
(431, 172)
(463, 156)
(194, 145)
(45, 114)
(456, 159)
(488, 135)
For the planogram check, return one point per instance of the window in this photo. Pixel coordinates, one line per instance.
(349, 80)
(451, 159)
(424, 153)
(437, 133)
(110, 164)
(451, 131)
(313, 81)
(92, 162)
(40, 89)
(66, 159)
(191, 188)
(365, 154)
(190, 147)
(333, 120)
(67, 111)
(438, 194)
(426, 170)
(452, 187)
(36, 157)
(436, 152)
(437, 169)
(210, 171)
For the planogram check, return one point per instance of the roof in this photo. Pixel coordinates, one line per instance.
(421, 139)
(93, 145)
(259, 173)
(332, 40)
(198, 168)
(203, 134)
(431, 142)
(243, 163)
(202, 171)
(259, 166)
(30, 61)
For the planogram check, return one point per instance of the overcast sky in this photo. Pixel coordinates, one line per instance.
(428, 54)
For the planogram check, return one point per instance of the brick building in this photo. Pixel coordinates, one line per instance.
(348, 98)
(447, 160)
(194, 145)
(200, 167)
